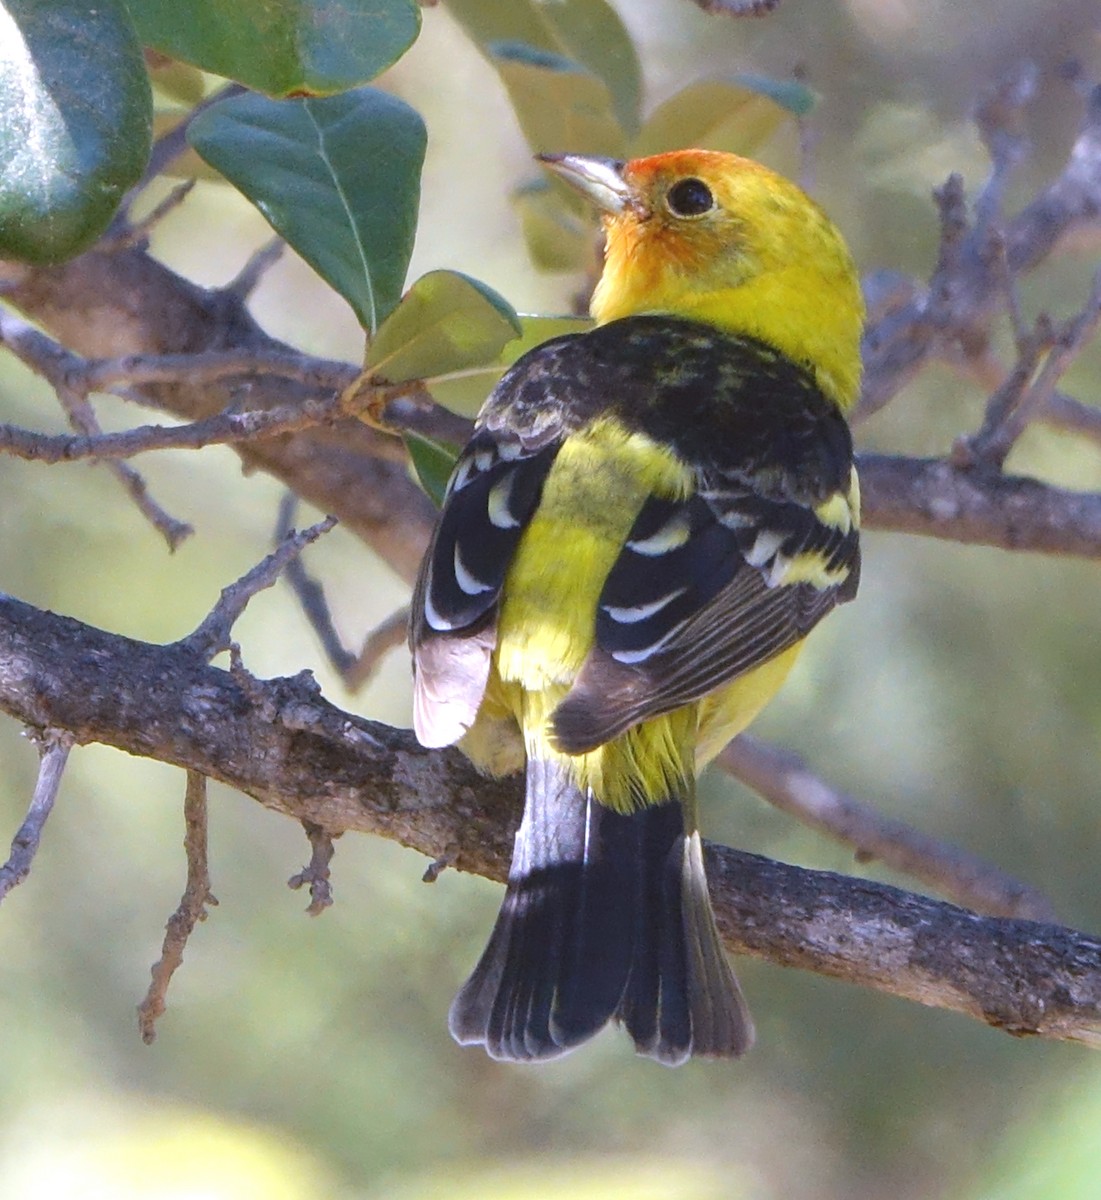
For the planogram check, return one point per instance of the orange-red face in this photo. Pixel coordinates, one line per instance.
(724, 240)
(683, 213)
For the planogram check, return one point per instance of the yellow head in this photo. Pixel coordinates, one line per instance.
(721, 239)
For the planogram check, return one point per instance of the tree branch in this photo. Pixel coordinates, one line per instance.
(980, 506)
(316, 872)
(280, 742)
(190, 911)
(786, 781)
(123, 303)
(213, 633)
(930, 497)
(967, 289)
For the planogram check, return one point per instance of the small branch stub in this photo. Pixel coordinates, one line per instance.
(317, 874)
(54, 747)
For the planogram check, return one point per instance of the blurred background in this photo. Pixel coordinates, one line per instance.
(310, 1057)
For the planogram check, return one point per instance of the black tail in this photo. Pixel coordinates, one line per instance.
(606, 916)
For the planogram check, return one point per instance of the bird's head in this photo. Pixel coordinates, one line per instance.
(721, 239)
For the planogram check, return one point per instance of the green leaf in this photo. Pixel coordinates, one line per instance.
(445, 322)
(557, 238)
(433, 462)
(796, 97)
(560, 106)
(75, 123)
(338, 178)
(282, 47)
(465, 392)
(592, 32)
(588, 31)
(736, 114)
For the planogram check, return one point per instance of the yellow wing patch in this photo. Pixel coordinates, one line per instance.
(599, 481)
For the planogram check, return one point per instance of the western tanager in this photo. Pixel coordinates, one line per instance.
(648, 520)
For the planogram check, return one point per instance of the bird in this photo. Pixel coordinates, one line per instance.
(649, 518)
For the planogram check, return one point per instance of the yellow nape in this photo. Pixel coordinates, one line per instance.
(764, 261)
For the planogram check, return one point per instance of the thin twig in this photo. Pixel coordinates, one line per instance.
(39, 352)
(1009, 287)
(355, 669)
(190, 911)
(310, 593)
(968, 288)
(1072, 416)
(61, 368)
(410, 408)
(82, 417)
(317, 874)
(1069, 343)
(437, 867)
(387, 635)
(248, 278)
(738, 8)
(223, 428)
(785, 780)
(999, 117)
(166, 149)
(213, 635)
(138, 233)
(53, 749)
(951, 201)
(210, 366)
(980, 447)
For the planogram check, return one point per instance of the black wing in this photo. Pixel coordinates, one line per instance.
(493, 492)
(704, 591)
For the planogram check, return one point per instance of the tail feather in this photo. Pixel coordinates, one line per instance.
(654, 1009)
(721, 1024)
(606, 916)
(554, 969)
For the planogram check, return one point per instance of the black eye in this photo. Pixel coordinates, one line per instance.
(689, 198)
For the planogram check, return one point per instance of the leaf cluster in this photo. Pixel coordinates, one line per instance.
(332, 163)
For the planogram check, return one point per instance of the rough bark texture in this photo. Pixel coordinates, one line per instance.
(282, 743)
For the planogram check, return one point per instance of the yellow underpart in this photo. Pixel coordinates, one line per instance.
(648, 764)
(593, 493)
(725, 713)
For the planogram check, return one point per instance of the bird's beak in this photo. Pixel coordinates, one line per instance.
(599, 180)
